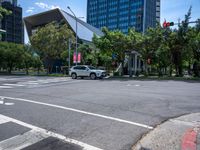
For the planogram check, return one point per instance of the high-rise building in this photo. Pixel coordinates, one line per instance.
(12, 24)
(158, 10)
(123, 14)
(14, 2)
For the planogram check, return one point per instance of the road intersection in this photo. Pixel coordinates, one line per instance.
(105, 114)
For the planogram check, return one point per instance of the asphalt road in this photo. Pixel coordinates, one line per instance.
(103, 114)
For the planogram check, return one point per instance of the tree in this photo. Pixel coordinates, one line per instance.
(27, 57)
(113, 43)
(193, 47)
(153, 48)
(51, 41)
(37, 63)
(11, 55)
(90, 54)
(3, 12)
(181, 41)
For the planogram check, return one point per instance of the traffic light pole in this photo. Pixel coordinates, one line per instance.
(168, 24)
(69, 56)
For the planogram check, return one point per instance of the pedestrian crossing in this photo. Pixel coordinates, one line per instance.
(34, 83)
(33, 137)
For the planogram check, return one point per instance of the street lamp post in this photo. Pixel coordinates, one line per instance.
(76, 32)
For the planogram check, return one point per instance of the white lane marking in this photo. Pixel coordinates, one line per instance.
(3, 120)
(1, 102)
(9, 104)
(80, 111)
(137, 85)
(6, 87)
(52, 134)
(13, 84)
(22, 141)
(32, 83)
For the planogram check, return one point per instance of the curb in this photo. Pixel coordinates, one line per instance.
(189, 139)
(180, 133)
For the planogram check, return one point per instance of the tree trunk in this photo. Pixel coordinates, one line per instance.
(170, 70)
(10, 68)
(180, 70)
(38, 71)
(122, 70)
(27, 71)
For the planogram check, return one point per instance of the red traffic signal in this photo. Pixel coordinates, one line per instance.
(167, 24)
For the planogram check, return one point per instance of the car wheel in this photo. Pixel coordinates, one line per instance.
(93, 76)
(74, 76)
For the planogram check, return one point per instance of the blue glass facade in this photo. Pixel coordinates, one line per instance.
(122, 14)
(13, 23)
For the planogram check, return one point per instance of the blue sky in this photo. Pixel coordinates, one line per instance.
(171, 10)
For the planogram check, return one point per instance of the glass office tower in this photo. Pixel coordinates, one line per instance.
(123, 14)
(12, 24)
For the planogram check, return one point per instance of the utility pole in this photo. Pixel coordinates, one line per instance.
(144, 18)
(76, 33)
(69, 55)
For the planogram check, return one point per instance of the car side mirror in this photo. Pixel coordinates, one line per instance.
(87, 69)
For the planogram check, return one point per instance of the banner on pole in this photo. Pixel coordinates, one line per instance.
(74, 58)
(79, 57)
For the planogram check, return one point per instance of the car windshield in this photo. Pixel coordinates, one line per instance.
(91, 67)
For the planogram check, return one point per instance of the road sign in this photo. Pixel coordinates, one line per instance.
(114, 56)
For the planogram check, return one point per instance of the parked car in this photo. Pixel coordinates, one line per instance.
(86, 71)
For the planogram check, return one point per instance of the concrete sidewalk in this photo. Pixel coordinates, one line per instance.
(182, 133)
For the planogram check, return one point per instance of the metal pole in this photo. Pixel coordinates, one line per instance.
(144, 17)
(76, 33)
(69, 56)
(76, 42)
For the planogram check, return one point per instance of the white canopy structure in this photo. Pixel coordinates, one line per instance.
(85, 32)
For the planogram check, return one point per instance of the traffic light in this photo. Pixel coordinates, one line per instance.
(167, 24)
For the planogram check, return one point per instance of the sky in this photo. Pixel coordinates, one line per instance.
(171, 10)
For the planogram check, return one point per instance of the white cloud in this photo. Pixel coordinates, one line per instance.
(30, 10)
(46, 6)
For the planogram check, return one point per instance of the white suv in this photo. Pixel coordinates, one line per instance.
(86, 71)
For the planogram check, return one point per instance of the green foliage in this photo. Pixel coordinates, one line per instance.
(51, 40)
(90, 54)
(3, 12)
(18, 56)
(170, 51)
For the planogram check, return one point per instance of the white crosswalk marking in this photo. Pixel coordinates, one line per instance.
(35, 83)
(33, 136)
(22, 141)
(13, 85)
(6, 87)
(3, 120)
